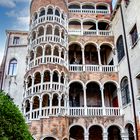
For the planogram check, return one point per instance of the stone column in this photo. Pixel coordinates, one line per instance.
(124, 136)
(86, 136)
(51, 79)
(59, 104)
(67, 90)
(59, 81)
(31, 107)
(34, 57)
(50, 107)
(26, 87)
(52, 55)
(42, 78)
(85, 100)
(97, 30)
(33, 78)
(105, 136)
(82, 30)
(40, 107)
(83, 59)
(103, 101)
(119, 99)
(99, 56)
(45, 33)
(43, 55)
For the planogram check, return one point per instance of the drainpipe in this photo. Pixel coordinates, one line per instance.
(130, 75)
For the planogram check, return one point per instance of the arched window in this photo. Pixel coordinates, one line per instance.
(125, 91)
(120, 48)
(12, 67)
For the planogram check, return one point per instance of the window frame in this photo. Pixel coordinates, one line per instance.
(12, 68)
(120, 52)
(134, 35)
(16, 40)
(125, 93)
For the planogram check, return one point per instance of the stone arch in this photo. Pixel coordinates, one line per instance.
(93, 94)
(129, 129)
(37, 77)
(57, 11)
(111, 97)
(42, 11)
(77, 131)
(98, 82)
(55, 76)
(96, 132)
(105, 5)
(49, 136)
(39, 51)
(40, 30)
(74, 5)
(57, 30)
(46, 76)
(88, 5)
(49, 29)
(27, 105)
(76, 94)
(50, 10)
(75, 53)
(114, 132)
(29, 81)
(48, 49)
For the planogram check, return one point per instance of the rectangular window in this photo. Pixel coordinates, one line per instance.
(12, 69)
(134, 35)
(16, 40)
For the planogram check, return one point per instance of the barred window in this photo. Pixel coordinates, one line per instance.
(125, 91)
(120, 48)
(12, 67)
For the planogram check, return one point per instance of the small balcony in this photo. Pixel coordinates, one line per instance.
(48, 39)
(91, 58)
(93, 68)
(44, 17)
(85, 8)
(45, 81)
(89, 11)
(46, 55)
(72, 112)
(89, 27)
(92, 99)
(90, 32)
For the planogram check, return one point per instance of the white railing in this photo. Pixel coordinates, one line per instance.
(92, 111)
(76, 111)
(73, 112)
(48, 38)
(35, 114)
(90, 32)
(48, 18)
(47, 59)
(89, 11)
(112, 111)
(92, 68)
(105, 33)
(75, 32)
(46, 86)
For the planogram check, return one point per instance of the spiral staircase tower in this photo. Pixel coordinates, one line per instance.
(45, 97)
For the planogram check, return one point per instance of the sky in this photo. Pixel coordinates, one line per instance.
(14, 15)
